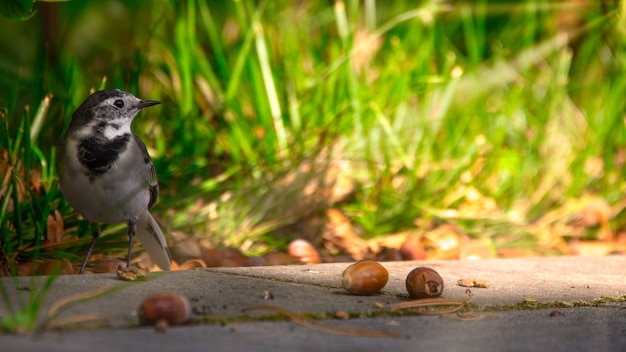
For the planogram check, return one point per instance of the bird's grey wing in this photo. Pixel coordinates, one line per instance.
(153, 184)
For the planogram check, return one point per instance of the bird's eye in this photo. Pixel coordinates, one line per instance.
(119, 103)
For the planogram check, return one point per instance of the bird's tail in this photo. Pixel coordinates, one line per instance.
(152, 239)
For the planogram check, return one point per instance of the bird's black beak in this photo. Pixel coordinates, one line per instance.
(145, 103)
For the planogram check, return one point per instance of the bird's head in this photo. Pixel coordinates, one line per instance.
(111, 111)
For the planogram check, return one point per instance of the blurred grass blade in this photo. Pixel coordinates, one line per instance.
(270, 87)
(40, 116)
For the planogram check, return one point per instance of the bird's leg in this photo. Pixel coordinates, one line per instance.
(95, 233)
(132, 229)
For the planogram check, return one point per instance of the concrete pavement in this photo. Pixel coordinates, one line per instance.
(569, 289)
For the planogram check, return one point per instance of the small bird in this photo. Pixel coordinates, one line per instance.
(106, 174)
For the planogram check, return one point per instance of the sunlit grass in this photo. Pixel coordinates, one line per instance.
(486, 115)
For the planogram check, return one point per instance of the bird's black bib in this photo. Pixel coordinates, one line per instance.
(98, 154)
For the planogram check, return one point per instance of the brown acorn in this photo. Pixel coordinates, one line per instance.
(227, 257)
(211, 257)
(413, 249)
(424, 282)
(164, 308)
(364, 277)
(304, 251)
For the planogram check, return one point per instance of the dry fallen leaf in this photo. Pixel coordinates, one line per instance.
(132, 273)
(340, 236)
(54, 227)
(473, 283)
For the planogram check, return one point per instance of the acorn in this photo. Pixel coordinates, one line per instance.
(303, 250)
(164, 308)
(424, 282)
(413, 249)
(223, 257)
(364, 277)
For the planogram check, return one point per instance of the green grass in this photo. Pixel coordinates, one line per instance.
(413, 106)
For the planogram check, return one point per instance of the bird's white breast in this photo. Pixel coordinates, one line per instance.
(111, 197)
